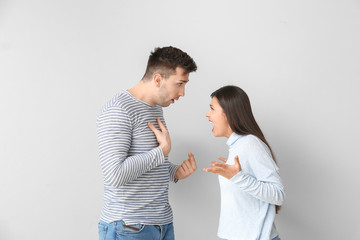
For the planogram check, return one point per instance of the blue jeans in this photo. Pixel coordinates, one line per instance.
(119, 231)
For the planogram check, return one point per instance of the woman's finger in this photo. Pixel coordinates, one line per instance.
(216, 170)
(212, 170)
(217, 164)
(237, 162)
(222, 159)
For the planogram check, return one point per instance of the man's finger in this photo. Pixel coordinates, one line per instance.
(179, 173)
(153, 128)
(192, 160)
(161, 125)
(190, 166)
(181, 170)
(186, 166)
(222, 159)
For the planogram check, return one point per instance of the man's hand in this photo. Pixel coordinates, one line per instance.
(225, 170)
(162, 137)
(187, 168)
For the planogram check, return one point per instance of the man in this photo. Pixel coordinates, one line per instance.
(133, 148)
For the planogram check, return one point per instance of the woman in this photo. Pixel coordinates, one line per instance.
(251, 188)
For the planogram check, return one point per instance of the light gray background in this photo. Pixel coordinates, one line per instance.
(60, 61)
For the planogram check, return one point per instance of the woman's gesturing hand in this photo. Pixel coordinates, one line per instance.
(223, 169)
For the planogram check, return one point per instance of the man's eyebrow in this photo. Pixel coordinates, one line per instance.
(184, 81)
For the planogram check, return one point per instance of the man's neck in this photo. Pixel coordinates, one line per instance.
(144, 92)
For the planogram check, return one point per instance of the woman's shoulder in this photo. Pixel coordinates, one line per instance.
(252, 139)
(252, 142)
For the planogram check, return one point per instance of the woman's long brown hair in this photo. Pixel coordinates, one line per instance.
(236, 106)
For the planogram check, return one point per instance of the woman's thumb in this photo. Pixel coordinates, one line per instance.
(237, 162)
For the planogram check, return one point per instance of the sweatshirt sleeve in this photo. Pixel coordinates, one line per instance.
(172, 170)
(114, 131)
(264, 183)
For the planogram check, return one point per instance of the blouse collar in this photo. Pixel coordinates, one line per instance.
(233, 138)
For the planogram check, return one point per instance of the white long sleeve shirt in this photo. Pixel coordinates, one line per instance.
(248, 199)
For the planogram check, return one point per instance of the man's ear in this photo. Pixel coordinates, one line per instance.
(157, 78)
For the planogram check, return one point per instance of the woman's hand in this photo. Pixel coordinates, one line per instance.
(223, 169)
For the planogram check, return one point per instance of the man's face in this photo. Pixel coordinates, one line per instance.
(173, 87)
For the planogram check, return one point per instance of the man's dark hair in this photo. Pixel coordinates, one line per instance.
(165, 61)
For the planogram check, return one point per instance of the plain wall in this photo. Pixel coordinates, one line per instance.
(60, 61)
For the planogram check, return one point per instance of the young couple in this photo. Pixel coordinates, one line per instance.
(134, 144)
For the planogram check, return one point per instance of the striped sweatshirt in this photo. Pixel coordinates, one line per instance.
(136, 173)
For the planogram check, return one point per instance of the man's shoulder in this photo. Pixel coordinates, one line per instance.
(116, 109)
(124, 103)
(120, 100)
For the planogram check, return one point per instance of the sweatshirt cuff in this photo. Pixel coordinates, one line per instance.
(238, 178)
(172, 170)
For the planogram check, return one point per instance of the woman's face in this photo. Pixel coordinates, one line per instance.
(217, 116)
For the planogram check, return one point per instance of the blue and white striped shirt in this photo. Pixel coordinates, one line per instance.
(136, 173)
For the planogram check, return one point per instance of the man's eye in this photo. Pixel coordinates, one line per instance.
(179, 84)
